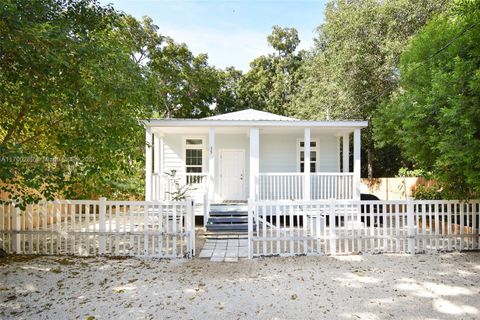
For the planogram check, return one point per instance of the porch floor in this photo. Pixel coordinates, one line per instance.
(225, 250)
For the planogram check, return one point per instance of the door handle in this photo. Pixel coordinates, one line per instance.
(241, 176)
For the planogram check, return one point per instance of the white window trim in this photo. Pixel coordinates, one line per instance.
(317, 149)
(197, 146)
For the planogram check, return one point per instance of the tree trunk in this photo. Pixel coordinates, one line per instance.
(370, 151)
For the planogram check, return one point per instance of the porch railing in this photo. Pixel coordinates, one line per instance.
(331, 185)
(164, 186)
(281, 186)
(290, 186)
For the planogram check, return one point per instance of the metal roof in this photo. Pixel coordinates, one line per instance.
(251, 118)
(250, 115)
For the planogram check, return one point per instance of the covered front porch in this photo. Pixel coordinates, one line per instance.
(222, 161)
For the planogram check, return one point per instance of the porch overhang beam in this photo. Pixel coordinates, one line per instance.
(347, 125)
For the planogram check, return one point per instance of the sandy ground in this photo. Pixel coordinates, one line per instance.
(439, 286)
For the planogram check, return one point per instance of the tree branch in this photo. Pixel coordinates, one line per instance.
(15, 124)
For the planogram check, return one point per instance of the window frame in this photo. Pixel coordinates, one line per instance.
(186, 147)
(316, 149)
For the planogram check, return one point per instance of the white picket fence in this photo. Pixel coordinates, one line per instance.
(347, 227)
(89, 228)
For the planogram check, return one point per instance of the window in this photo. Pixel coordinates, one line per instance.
(194, 152)
(313, 155)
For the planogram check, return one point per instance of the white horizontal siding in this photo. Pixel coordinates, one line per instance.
(278, 153)
(172, 151)
(328, 154)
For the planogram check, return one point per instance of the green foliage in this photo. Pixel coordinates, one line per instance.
(355, 64)
(406, 172)
(70, 99)
(272, 81)
(434, 117)
(433, 192)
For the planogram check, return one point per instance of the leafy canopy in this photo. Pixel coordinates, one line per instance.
(434, 116)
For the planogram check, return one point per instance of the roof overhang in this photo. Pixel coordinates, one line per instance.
(165, 123)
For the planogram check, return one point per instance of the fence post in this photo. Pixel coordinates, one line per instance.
(250, 228)
(206, 209)
(102, 212)
(410, 227)
(190, 225)
(16, 228)
(333, 233)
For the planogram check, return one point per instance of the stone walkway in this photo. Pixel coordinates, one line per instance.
(225, 250)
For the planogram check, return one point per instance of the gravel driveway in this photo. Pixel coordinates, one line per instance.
(438, 286)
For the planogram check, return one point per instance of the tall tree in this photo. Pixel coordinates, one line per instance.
(435, 116)
(70, 101)
(271, 83)
(355, 62)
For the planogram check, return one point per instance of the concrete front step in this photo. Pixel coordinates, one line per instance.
(225, 235)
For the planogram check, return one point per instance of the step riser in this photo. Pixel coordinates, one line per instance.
(233, 228)
(227, 220)
(227, 208)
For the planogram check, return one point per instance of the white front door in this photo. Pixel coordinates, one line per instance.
(232, 174)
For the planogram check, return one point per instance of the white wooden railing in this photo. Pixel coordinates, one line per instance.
(164, 186)
(99, 227)
(290, 186)
(331, 185)
(345, 227)
(280, 186)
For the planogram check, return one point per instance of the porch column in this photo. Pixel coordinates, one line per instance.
(211, 164)
(356, 164)
(306, 166)
(156, 168)
(346, 151)
(254, 162)
(148, 164)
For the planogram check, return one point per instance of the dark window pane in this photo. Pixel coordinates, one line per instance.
(194, 169)
(302, 156)
(312, 166)
(313, 156)
(193, 141)
(193, 157)
(302, 167)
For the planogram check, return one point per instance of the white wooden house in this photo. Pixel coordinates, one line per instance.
(252, 154)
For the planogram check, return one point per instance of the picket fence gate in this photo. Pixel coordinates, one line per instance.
(89, 228)
(347, 227)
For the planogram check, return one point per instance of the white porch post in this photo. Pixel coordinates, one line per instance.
(148, 164)
(156, 168)
(254, 162)
(211, 164)
(356, 163)
(156, 154)
(306, 166)
(346, 151)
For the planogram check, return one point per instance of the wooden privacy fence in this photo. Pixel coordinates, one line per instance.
(347, 227)
(88, 228)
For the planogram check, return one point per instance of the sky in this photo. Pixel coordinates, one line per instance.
(232, 33)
